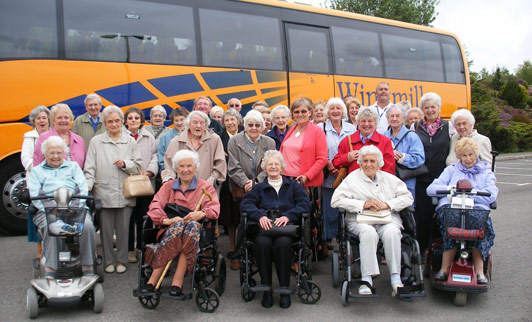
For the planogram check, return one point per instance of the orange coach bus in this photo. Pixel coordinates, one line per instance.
(167, 52)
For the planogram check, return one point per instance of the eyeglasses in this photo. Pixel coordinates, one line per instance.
(257, 125)
(302, 111)
(234, 105)
(197, 123)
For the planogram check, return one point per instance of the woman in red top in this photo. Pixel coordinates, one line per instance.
(304, 147)
(367, 119)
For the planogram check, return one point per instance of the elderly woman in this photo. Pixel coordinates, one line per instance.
(435, 134)
(280, 117)
(318, 112)
(369, 188)
(464, 121)
(112, 157)
(216, 113)
(148, 151)
(40, 120)
(275, 193)
(408, 149)
(353, 105)
(61, 118)
(197, 137)
(246, 150)
(336, 129)
(157, 117)
(53, 173)
(367, 120)
(413, 115)
(266, 116)
(468, 167)
(179, 236)
(177, 117)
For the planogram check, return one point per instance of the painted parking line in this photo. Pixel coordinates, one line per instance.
(497, 167)
(514, 183)
(512, 174)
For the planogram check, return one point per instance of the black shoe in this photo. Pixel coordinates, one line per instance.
(440, 276)
(267, 300)
(176, 292)
(285, 301)
(482, 279)
(148, 288)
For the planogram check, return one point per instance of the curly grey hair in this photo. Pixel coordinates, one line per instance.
(112, 109)
(272, 154)
(370, 149)
(183, 155)
(36, 111)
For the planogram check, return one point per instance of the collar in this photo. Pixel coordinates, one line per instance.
(193, 185)
(364, 139)
(94, 120)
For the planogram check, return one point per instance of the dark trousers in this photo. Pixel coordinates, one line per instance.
(136, 219)
(424, 213)
(278, 250)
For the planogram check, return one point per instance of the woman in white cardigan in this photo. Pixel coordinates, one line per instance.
(369, 188)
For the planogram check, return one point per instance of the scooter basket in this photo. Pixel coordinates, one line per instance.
(473, 228)
(65, 222)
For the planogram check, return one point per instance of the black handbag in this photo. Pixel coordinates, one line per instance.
(405, 173)
(174, 210)
(290, 230)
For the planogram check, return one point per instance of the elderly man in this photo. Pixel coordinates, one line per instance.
(234, 103)
(367, 190)
(53, 173)
(381, 106)
(204, 104)
(89, 124)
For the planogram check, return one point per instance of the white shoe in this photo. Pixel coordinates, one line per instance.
(395, 286)
(132, 257)
(110, 269)
(364, 290)
(121, 268)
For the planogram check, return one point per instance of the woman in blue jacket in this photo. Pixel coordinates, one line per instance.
(288, 197)
(482, 179)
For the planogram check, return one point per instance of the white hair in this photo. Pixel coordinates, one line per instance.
(215, 110)
(92, 97)
(430, 97)
(197, 113)
(272, 154)
(463, 113)
(396, 107)
(158, 108)
(279, 108)
(112, 109)
(183, 155)
(366, 111)
(53, 142)
(336, 101)
(370, 149)
(254, 115)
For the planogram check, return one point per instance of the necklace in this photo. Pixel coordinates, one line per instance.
(298, 133)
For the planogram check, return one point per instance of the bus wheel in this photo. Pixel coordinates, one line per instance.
(13, 213)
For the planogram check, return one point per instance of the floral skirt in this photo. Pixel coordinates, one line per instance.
(180, 237)
(483, 246)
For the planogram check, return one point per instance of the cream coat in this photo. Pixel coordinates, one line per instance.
(484, 147)
(106, 180)
(148, 151)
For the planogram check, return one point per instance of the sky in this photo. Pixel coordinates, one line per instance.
(494, 32)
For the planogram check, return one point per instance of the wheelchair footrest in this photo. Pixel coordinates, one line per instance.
(186, 296)
(260, 288)
(353, 290)
(284, 290)
(411, 291)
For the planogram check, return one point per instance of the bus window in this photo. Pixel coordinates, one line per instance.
(357, 52)
(130, 31)
(454, 66)
(309, 50)
(412, 58)
(28, 29)
(239, 40)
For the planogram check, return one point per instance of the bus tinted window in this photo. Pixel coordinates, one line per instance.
(134, 31)
(308, 50)
(232, 39)
(412, 58)
(357, 52)
(28, 29)
(454, 66)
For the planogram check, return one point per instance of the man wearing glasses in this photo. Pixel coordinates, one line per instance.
(235, 103)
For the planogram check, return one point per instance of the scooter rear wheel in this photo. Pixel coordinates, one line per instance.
(98, 298)
(460, 299)
(32, 303)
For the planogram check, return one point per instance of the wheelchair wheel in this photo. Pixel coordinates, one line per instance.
(335, 265)
(246, 293)
(220, 275)
(460, 299)
(150, 302)
(345, 292)
(32, 303)
(97, 298)
(313, 295)
(208, 304)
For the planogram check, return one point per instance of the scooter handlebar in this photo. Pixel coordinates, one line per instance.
(443, 192)
(483, 193)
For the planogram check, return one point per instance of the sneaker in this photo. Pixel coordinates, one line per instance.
(364, 290)
(285, 301)
(132, 257)
(395, 286)
(482, 279)
(440, 276)
(148, 288)
(267, 299)
(121, 268)
(110, 269)
(176, 292)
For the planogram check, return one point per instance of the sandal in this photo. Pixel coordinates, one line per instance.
(121, 268)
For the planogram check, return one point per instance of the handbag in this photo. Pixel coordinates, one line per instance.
(342, 173)
(405, 173)
(138, 185)
(371, 217)
(290, 230)
(174, 210)
(237, 192)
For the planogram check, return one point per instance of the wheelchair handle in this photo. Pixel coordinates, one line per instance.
(443, 192)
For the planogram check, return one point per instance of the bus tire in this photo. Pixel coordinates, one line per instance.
(13, 213)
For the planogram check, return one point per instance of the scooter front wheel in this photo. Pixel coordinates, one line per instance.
(460, 299)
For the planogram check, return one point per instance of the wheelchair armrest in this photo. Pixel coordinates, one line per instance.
(409, 220)
(208, 221)
(435, 200)
(493, 205)
(32, 209)
(304, 215)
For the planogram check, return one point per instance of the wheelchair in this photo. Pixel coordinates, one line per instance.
(209, 269)
(307, 291)
(411, 263)
(69, 286)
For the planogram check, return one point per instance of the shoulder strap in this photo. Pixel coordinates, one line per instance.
(350, 145)
(401, 140)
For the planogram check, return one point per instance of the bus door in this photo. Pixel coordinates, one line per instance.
(309, 62)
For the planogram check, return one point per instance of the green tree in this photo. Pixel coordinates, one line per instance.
(513, 93)
(497, 82)
(524, 71)
(421, 12)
